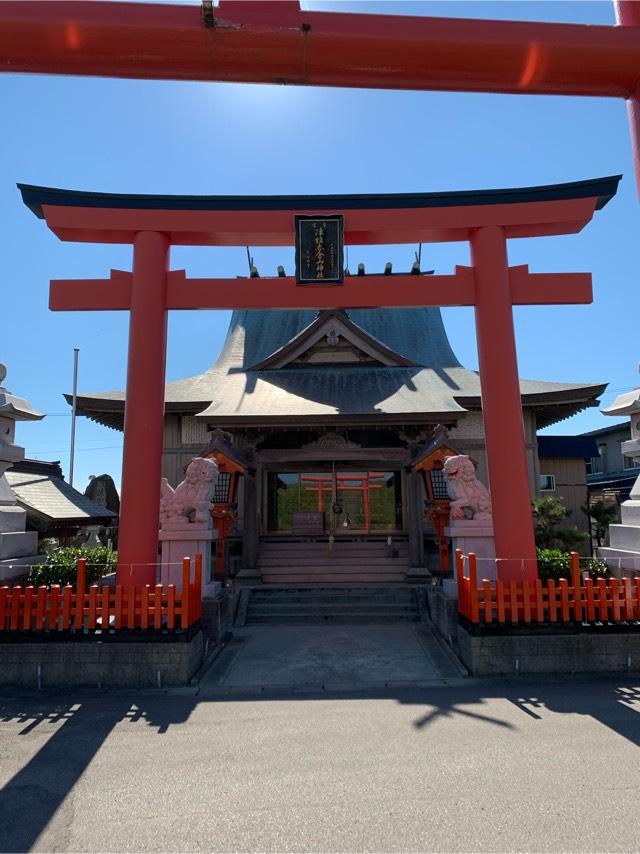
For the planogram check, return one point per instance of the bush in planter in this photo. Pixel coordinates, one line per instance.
(555, 564)
(596, 568)
(60, 566)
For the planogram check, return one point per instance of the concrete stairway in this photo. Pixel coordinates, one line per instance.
(330, 605)
(349, 562)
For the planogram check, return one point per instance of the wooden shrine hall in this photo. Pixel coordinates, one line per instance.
(329, 386)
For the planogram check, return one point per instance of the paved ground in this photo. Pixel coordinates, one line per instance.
(292, 742)
(329, 657)
(471, 767)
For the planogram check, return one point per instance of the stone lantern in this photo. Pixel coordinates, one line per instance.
(18, 548)
(623, 551)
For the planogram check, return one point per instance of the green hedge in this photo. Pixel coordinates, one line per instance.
(555, 564)
(60, 566)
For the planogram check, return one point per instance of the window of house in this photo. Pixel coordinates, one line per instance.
(628, 463)
(596, 465)
(547, 483)
(602, 449)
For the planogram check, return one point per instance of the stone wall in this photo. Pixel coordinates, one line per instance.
(443, 611)
(125, 661)
(563, 651)
(218, 614)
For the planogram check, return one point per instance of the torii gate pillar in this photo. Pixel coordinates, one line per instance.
(502, 407)
(144, 411)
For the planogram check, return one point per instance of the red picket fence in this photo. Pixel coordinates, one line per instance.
(31, 609)
(605, 600)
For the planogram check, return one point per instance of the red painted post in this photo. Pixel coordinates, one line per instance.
(144, 412)
(118, 607)
(576, 583)
(502, 407)
(15, 607)
(81, 583)
(196, 603)
(628, 15)
(186, 593)
(474, 611)
(628, 599)
(462, 599)
(171, 606)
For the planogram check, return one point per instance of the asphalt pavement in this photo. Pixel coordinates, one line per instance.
(456, 766)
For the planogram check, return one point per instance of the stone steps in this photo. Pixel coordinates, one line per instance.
(395, 596)
(337, 546)
(336, 554)
(321, 560)
(332, 605)
(352, 562)
(344, 575)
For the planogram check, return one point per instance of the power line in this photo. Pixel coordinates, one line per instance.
(55, 451)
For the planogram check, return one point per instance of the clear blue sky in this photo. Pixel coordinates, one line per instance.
(159, 137)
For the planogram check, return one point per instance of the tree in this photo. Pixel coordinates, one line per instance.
(602, 515)
(549, 512)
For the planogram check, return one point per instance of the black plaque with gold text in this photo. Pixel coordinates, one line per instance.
(319, 249)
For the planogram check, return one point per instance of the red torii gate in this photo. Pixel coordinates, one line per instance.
(323, 485)
(487, 219)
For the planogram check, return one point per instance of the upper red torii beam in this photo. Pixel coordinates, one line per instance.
(267, 42)
(278, 43)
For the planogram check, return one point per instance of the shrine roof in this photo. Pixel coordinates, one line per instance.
(602, 189)
(326, 395)
(232, 392)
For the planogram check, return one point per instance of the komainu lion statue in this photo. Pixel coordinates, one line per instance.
(190, 501)
(469, 497)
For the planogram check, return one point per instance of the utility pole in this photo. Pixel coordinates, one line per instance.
(73, 414)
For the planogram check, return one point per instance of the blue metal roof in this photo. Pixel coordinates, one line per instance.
(567, 447)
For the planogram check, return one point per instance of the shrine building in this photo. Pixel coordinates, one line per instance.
(331, 405)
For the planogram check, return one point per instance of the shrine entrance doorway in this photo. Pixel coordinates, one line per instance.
(335, 501)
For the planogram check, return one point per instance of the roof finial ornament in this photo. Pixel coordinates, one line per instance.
(3, 372)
